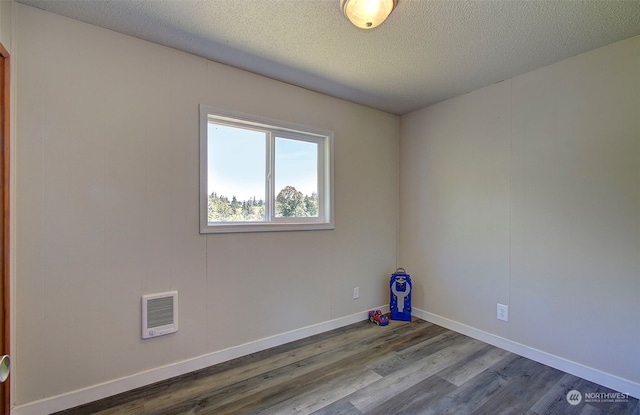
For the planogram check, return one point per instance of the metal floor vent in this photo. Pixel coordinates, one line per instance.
(159, 314)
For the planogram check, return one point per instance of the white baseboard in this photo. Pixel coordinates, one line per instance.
(114, 387)
(594, 375)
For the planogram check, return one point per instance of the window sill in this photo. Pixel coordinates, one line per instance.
(264, 227)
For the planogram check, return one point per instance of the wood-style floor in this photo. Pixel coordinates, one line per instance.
(403, 368)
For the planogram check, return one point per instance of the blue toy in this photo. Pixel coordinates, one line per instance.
(400, 302)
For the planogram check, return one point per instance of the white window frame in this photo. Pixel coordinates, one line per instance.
(275, 128)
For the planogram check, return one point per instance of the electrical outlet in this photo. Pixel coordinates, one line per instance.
(503, 312)
(356, 292)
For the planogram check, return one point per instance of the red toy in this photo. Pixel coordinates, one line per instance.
(376, 316)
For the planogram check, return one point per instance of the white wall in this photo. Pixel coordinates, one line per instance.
(107, 210)
(527, 193)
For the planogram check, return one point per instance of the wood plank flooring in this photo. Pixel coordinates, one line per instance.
(415, 368)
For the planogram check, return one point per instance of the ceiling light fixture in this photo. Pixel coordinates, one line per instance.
(367, 14)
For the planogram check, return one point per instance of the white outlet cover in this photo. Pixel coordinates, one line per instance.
(503, 312)
(356, 292)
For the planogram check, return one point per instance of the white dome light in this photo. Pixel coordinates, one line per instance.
(367, 14)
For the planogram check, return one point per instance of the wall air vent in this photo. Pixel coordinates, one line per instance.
(159, 314)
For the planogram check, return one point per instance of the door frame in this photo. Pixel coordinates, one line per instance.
(5, 401)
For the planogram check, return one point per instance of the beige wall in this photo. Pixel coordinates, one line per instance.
(107, 209)
(527, 193)
(6, 23)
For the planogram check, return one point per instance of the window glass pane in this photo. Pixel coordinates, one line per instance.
(296, 178)
(236, 174)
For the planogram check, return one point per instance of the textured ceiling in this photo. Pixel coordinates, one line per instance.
(427, 51)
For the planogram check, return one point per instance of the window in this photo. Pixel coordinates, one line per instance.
(259, 174)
